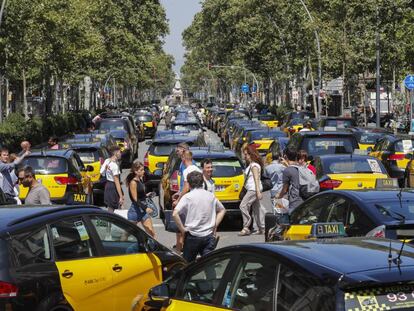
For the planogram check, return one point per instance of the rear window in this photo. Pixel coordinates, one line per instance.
(225, 167)
(265, 135)
(267, 118)
(111, 126)
(348, 165)
(328, 145)
(189, 127)
(393, 210)
(405, 145)
(88, 156)
(145, 118)
(340, 123)
(161, 149)
(296, 122)
(47, 165)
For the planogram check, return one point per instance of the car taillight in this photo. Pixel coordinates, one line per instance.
(101, 160)
(330, 184)
(8, 290)
(146, 162)
(61, 180)
(377, 232)
(174, 186)
(396, 157)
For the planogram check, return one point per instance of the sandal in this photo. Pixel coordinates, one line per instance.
(244, 232)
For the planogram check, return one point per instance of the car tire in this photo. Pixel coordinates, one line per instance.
(55, 302)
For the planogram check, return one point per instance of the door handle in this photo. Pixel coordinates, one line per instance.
(67, 274)
(117, 268)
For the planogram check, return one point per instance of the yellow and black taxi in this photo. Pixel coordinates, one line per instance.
(338, 122)
(323, 142)
(348, 171)
(227, 175)
(391, 151)
(368, 137)
(277, 146)
(119, 125)
(269, 120)
(300, 116)
(76, 258)
(137, 128)
(102, 136)
(149, 123)
(293, 126)
(240, 136)
(159, 151)
(217, 118)
(63, 173)
(93, 153)
(384, 213)
(227, 126)
(234, 127)
(261, 139)
(343, 274)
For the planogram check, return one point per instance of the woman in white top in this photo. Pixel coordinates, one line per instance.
(113, 196)
(251, 201)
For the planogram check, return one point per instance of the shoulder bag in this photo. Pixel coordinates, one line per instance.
(243, 190)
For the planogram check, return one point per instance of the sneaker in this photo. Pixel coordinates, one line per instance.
(258, 232)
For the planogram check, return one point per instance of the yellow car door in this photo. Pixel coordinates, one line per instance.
(182, 305)
(86, 279)
(134, 271)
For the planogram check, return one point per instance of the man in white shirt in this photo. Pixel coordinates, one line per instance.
(207, 166)
(203, 214)
(189, 167)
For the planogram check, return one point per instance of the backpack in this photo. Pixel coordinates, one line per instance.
(308, 184)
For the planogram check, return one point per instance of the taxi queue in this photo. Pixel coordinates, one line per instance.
(128, 264)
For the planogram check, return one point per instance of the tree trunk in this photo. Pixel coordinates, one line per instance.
(7, 98)
(393, 88)
(62, 95)
(49, 96)
(315, 103)
(25, 108)
(56, 95)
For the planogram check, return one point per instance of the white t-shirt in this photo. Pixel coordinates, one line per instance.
(110, 169)
(188, 170)
(200, 208)
(248, 172)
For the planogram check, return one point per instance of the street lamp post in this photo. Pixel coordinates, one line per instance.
(378, 74)
(318, 47)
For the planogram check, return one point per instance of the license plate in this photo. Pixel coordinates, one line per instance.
(220, 188)
(79, 198)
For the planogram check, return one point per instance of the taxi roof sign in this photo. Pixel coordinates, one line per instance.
(387, 183)
(328, 230)
(360, 152)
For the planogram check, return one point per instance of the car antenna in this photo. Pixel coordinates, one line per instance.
(397, 260)
(389, 256)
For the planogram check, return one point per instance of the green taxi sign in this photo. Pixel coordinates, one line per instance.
(328, 230)
(386, 183)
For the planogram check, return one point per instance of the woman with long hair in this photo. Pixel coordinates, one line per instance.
(250, 204)
(138, 212)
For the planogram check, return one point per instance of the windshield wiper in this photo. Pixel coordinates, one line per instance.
(382, 209)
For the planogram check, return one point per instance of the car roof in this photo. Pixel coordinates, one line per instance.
(175, 139)
(13, 216)
(375, 195)
(204, 152)
(345, 156)
(85, 144)
(63, 153)
(185, 121)
(323, 133)
(337, 257)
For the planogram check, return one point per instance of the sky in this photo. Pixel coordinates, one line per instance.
(180, 14)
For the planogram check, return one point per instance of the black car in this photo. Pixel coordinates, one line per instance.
(315, 275)
(76, 258)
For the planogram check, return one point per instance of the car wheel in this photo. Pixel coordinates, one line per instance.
(55, 302)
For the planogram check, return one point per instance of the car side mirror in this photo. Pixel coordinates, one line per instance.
(409, 156)
(159, 292)
(89, 168)
(148, 142)
(369, 149)
(151, 245)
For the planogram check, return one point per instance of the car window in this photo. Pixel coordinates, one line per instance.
(298, 290)
(312, 211)
(405, 145)
(225, 167)
(71, 239)
(328, 145)
(337, 210)
(31, 247)
(253, 285)
(352, 165)
(162, 149)
(201, 284)
(47, 165)
(358, 223)
(116, 237)
(88, 155)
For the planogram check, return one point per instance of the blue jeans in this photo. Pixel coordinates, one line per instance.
(194, 245)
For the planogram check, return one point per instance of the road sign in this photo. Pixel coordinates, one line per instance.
(409, 82)
(245, 88)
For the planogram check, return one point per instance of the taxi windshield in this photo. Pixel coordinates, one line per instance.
(164, 149)
(111, 126)
(189, 127)
(145, 118)
(352, 165)
(328, 145)
(340, 123)
(261, 135)
(296, 122)
(225, 167)
(47, 165)
(394, 210)
(370, 138)
(405, 145)
(88, 156)
(267, 118)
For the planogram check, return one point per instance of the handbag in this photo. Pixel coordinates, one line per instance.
(266, 183)
(150, 204)
(243, 190)
(170, 224)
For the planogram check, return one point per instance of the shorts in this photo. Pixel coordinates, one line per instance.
(136, 214)
(111, 197)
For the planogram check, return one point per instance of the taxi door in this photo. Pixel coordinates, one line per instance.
(86, 185)
(181, 305)
(134, 271)
(86, 279)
